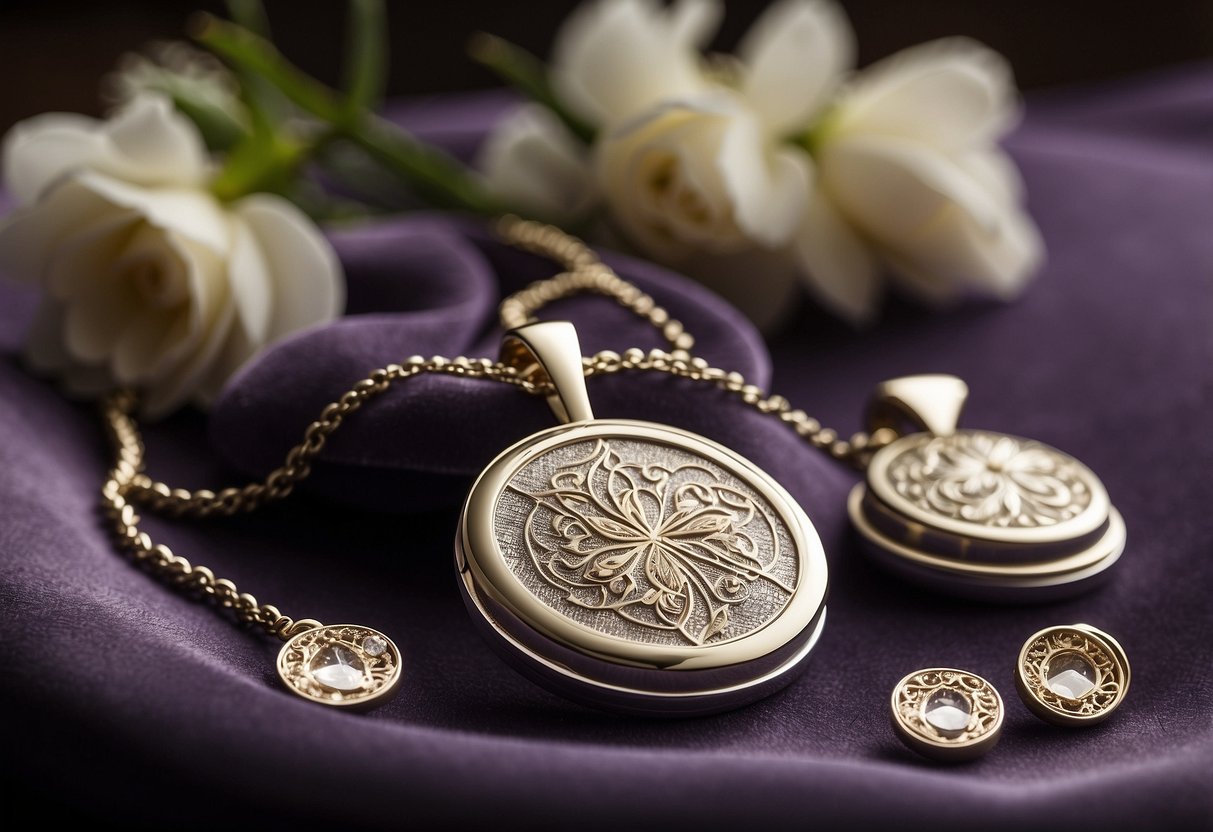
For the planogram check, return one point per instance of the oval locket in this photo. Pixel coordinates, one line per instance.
(635, 566)
(977, 513)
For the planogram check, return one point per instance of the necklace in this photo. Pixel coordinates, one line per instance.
(642, 568)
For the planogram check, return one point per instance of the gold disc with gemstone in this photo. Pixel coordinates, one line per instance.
(1073, 675)
(947, 714)
(346, 665)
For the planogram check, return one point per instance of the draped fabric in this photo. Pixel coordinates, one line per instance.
(122, 699)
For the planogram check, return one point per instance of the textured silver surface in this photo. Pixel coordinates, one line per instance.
(646, 542)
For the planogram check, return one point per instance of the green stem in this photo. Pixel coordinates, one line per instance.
(526, 73)
(366, 53)
(437, 175)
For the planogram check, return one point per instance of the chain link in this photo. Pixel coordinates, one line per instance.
(128, 486)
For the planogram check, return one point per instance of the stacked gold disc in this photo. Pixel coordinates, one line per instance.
(980, 513)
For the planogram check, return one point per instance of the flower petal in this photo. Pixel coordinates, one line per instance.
(893, 190)
(39, 150)
(951, 93)
(795, 56)
(531, 160)
(147, 143)
(837, 265)
(768, 188)
(308, 284)
(191, 213)
(157, 145)
(993, 169)
(212, 315)
(614, 58)
(29, 236)
(957, 255)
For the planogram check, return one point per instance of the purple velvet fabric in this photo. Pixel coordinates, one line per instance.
(124, 700)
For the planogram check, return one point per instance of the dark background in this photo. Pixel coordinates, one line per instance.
(52, 54)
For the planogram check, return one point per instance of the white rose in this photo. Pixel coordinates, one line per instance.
(702, 175)
(695, 171)
(612, 60)
(911, 183)
(149, 281)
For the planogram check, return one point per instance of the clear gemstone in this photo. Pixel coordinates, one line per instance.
(337, 667)
(1071, 676)
(947, 712)
(374, 645)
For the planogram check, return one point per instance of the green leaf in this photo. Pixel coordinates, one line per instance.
(366, 55)
(437, 176)
(251, 15)
(220, 129)
(526, 73)
(265, 104)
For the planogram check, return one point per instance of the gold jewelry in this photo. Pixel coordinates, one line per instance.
(1075, 675)
(977, 513)
(628, 564)
(947, 714)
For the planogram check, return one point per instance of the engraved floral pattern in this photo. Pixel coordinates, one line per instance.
(914, 694)
(991, 479)
(1109, 676)
(672, 547)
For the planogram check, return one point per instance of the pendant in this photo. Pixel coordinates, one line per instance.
(977, 513)
(346, 665)
(634, 566)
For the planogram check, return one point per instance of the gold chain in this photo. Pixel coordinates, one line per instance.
(128, 486)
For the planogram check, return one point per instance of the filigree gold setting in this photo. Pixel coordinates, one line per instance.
(915, 692)
(667, 546)
(1102, 656)
(991, 479)
(370, 659)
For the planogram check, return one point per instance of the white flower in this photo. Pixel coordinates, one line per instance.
(895, 173)
(612, 60)
(149, 281)
(911, 182)
(687, 165)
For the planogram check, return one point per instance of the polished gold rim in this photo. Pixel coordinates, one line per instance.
(1088, 520)
(1102, 553)
(483, 555)
(1072, 675)
(947, 714)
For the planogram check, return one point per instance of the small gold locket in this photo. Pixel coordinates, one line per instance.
(632, 565)
(978, 513)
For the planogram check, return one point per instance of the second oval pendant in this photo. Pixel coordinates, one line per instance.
(977, 513)
(634, 566)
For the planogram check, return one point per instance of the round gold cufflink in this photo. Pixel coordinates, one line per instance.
(947, 714)
(1074, 675)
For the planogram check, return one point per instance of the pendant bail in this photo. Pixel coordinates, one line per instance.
(928, 402)
(548, 352)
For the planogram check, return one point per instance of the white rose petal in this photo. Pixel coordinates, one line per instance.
(951, 94)
(941, 227)
(150, 281)
(838, 266)
(532, 161)
(301, 264)
(894, 189)
(700, 174)
(148, 143)
(614, 58)
(794, 57)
